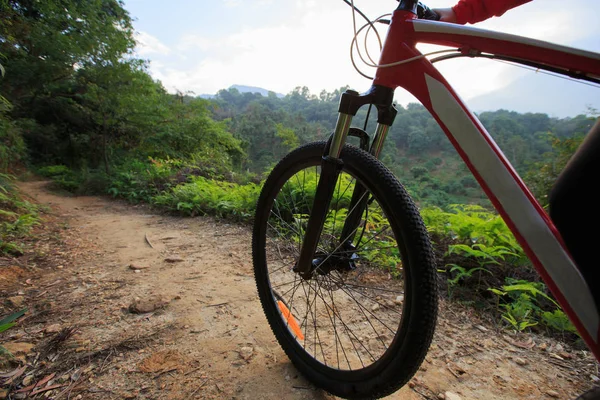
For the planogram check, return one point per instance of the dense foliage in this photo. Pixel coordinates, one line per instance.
(17, 217)
(78, 107)
(417, 150)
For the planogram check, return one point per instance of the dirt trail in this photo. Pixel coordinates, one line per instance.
(208, 337)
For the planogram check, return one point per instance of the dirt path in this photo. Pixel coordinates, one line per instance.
(204, 335)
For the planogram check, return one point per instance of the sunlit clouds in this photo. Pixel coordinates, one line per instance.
(289, 43)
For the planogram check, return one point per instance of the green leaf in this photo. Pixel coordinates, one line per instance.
(4, 327)
(496, 291)
(528, 287)
(13, 317)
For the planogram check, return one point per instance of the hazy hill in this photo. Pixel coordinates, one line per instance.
(245, 89)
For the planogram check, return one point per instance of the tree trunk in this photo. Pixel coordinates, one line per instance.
(104, 145)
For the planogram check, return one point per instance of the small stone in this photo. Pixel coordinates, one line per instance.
(558, 348)
(16, 301)
(441, 396)
(136, 267)
(375, 307)
(481, 328)
(27, 380)
(246, 353)
(89, 369)
(59, 267)
(520, 361)
(137, 271)
(54, 328)
(543, 346)
(399, 299)
(411, 384)
(452, 396)
(552, 393)
(76, 375)
(142, 306)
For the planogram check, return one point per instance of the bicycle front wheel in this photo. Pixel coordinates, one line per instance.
(361, 325)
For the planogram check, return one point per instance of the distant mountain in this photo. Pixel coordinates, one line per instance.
(245, 89)
(253, 89)
(540, 94)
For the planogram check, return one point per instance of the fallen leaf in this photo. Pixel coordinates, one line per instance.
(59, 385)
(16, 301)
(12, 373)
(18, 347)
(161, 361)
(25, 389)
(15, 374)
(54, 328)
(45, 380)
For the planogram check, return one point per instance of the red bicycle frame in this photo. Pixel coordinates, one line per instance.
(523, 214)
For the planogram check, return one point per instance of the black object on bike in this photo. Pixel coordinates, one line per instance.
(418, 8)
(424, 12)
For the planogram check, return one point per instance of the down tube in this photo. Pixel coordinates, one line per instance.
(521, 211)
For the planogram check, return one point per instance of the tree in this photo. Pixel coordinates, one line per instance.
(289, 140)
(52, 48)
(46, 42)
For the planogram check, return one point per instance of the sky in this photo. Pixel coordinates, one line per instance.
(202, 46)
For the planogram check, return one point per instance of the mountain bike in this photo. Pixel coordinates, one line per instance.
(343, 263)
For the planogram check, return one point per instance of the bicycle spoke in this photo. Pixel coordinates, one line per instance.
(351, 335)
(361, 307)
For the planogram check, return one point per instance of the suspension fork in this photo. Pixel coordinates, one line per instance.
(331, 166)
(359, 201)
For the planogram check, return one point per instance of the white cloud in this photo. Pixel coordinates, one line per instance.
(311, 48)
(232, 3)
(148, 44)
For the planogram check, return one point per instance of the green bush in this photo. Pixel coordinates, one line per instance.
(12, 147)
(204, 196)
(63, 177)
(525, 304)
(17, 217)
